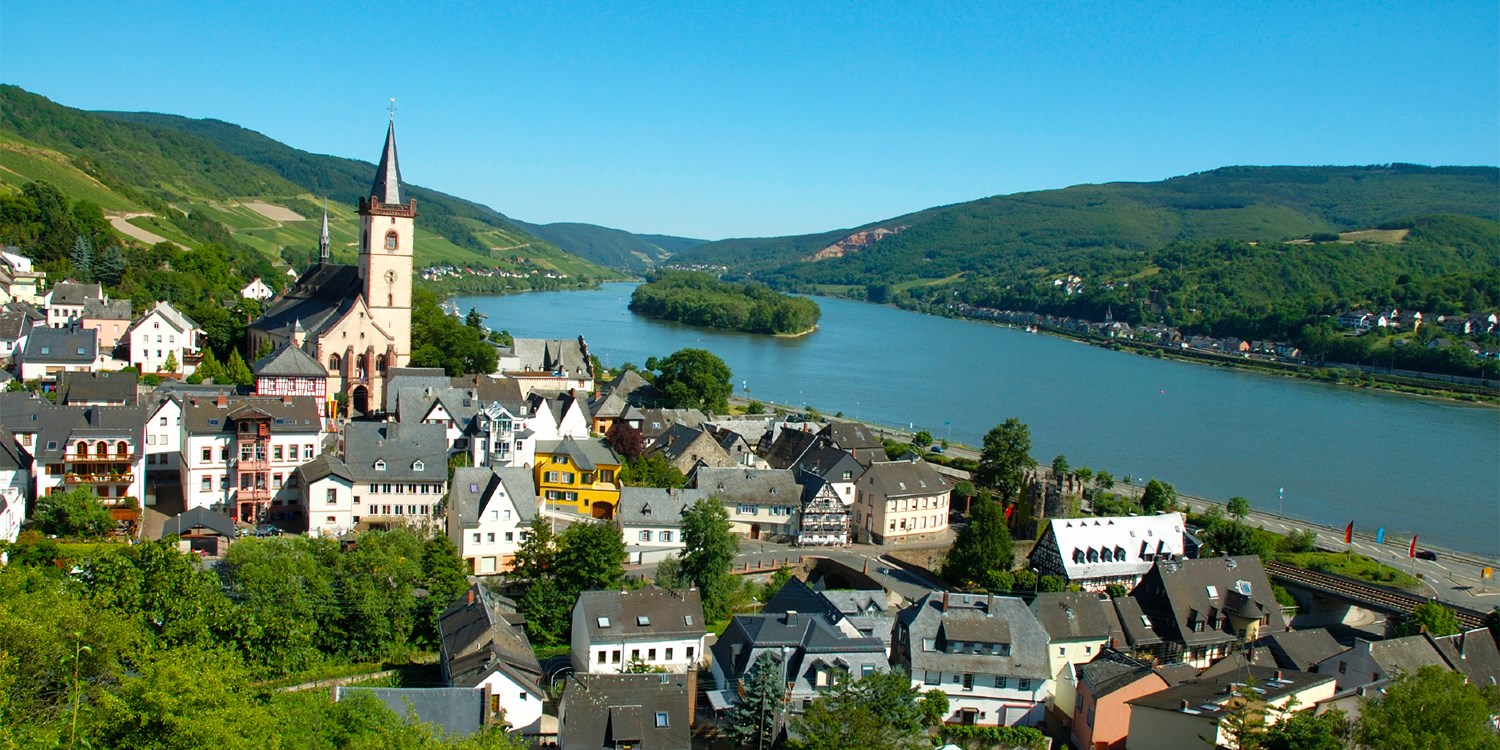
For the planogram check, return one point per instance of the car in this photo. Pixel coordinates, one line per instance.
(938, 449)
(1426, 554)
(267, 529)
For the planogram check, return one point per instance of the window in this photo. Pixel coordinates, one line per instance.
(651, 654)
(1025, 683)
(208, 483)
(602, 656)
(208, 455)
(307, 451)
(275, 481)
(392, 241)
(666, 536)
(690, 648)
(747, 510)
(603, 622)
(645, 536)
(661, 719)
(668, 654)
(490, 537)
(616, 656)
(333, 495)
(476, 537)
(635, 654)
(163, 421)
(275, 453)
(418, 465)
(968, 681)
(1000, 681)
(865, 670)
(645, 622)
(380, 465)
(932, 678)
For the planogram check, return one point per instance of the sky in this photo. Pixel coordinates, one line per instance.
(724, 119)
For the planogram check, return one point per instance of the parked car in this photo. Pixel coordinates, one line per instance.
(267, 529)
(937, 449)
(1426, 554)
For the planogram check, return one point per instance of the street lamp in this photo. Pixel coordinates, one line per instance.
(1036, 582)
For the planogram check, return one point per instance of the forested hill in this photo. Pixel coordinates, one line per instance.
(615, 248)
(1055, 230)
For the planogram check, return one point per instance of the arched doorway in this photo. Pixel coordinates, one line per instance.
(359, 400)
(602, 509)
(754, 531)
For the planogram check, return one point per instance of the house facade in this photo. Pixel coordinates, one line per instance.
(578, 476)
(1097, 551)
(762, 503)
(238, 453)
(489, 512)
(901, 501)
(164, 336)
(657, 629)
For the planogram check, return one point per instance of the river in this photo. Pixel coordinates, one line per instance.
(1413, 465)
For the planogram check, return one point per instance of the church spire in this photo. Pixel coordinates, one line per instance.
(323, 241)
(387, 188)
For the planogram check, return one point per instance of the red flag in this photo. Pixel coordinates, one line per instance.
(1349, 533)
(1008, 510)
(1413, 551)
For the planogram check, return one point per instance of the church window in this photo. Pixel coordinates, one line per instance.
(335, 363)
(391, 241)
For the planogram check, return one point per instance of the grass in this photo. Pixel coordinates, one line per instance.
(905, 285)
(21, 163)
(1355, 566)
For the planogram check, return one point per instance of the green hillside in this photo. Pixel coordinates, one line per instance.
(615, 248)
(206, 180)
(1061, 229)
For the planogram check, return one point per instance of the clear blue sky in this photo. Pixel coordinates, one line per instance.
(715, 119)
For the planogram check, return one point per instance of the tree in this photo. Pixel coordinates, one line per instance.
(934, 707)
(83, 258)
(1434, 707)
(209, 367)
(1238, 507)
(170, 365)
(1243, 722)
(1431, 618)
(693, 378)
(535, 556)
(1159, 496)
(1005, 458)
(1104, 479)
(626, 441)
(1084, 474)
(922, 439)
(1053, 583)
(590, 557)
(1060, 467)
(1304, 730)
(75, 513)
(708, 555)
(110, 267)
(1116, 590)
(983, 549)
(754, 721)
(474, 319)
(236, 371)
(548, 611)
(876, 712)
(445, 577)
(669, 574)
(652, 471)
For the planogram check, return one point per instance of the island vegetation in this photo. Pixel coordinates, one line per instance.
(699, 299)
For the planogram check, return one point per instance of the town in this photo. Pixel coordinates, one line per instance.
(579, 535)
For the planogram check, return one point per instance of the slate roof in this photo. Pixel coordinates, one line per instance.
(115, 309)
(587, 455)
(810, 641)
(204, 415)
(111, 387)
(653, 506)
(14, 324)
(669, 614)
(61, 346)
(830, 463)
(289, 361)
(634, 388)
(789, 447)
(613, 710)
(734, 485)
(1173, 591)
(387, 185)
(1142, 539)
(1407, 654)
(654, 422)
(682, 441)
(173, 317)
(401, 447)
(475, 488)
(1205, 697)
(482, 632)
(1110, 671)
(458, 712)
(796, 596)
(74, 293)
(319, 297)
(551, 355)
(400, 378)
(326, 464)
(1073, 616)
(55, 425)
(973, 621)
(1301, 649)
(1135, 622)
(195, 517)
(1473, 653)
(905, 478)
(413, 404)
(490, 388)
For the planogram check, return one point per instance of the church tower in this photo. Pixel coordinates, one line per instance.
(385, 252)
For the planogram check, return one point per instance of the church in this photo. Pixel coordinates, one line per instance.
(354, 320)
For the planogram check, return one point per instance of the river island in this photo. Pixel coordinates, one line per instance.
(700, 299)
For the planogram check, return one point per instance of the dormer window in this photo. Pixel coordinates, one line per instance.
(380, 465)
(418, 465)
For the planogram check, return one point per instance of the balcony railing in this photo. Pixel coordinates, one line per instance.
(252, 494)
(77, 478)
(101, 458)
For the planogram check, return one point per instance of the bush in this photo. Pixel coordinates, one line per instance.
(75, 513)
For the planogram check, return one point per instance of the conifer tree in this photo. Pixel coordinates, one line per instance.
(83, 258)
(236, 371)
(753, 722)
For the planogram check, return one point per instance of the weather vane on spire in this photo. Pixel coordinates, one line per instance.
(392, 108)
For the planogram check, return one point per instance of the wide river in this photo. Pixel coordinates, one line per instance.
(1412, 465)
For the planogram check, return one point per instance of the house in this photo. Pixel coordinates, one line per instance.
(1481, 324)
(824, 518)
(579, 476)
(762, 503)
(564, 415)
(355, 319)
(111, 318)
(611, 407)
(15, 486)
(489, 511)
(1473, 653)
(738, 438)
(14, 326)
(555, 365)
(257, 289)
(857, 613)
(291, 371)
(650, 521)
(1197, 610)
(1411, 320)
(483, 647)
(499, 435)
(1080, 626)
(238, 453)
(400, 472)
(162, 337)
(201, 530)
(96, 389)
(1181, 715)
(64, 302)
(836, 467)
(988, 654)
(656, 422)
(789, 445)
(1374, 663)
(1301, 650)
(811, 652)
(637, 711)
(1101, 710)
(50, 351)
(854, 438)
(901, 501)
(1097, 551)
(658, 629)
(686, 447)
(1356, 320)
(327, 494)
(98, 447)
(453, 408)
(19, 278)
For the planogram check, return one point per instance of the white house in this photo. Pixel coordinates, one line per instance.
(239, 453)
(988, 654)
(64, 302)
(1095, 552)
(489, 512)
(164, 436)
(257, 289)
(484, 647)
(160, 334)
(327, 488)
(650, 521)
(762, 503)
(50, 351)
(655, 628)
(15, 481)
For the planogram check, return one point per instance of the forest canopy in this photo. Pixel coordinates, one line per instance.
(699, 299)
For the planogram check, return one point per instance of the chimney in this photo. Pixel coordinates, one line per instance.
(1278, 674)
(471, 596)
(867, 566)
(221, 401)
(692, 691)
(286, 398)
(989, 605)
(945, 601)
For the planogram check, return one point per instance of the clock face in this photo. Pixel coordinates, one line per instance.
(390, 277)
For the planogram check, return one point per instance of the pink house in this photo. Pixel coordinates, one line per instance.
(1102, 716)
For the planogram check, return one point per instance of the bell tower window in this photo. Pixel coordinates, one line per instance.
(392, 241)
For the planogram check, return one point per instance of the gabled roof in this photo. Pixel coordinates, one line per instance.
(477, 489)
(169, 314)
(830, 463)
(1110, 671)
(408, 452)
(14, 324)
(115, 309)
(481, 632)
(1301, 649)
(904, 478)
(796, 596)
(640, 615)
(654, 422)
(318, 298)
(289, 361)
(613, 710)
(851, 436)
(1175, 592)
(1207, 697)
(683, 441)
(117, 388)
(940, 618)
(325, 465)
(202, 415)
(1473, 653)
(587, 455)
(1100, 540)
(198, 517)
(788, 448)
(73, 293)
(749, 486)
(810, 640)
(654, 506)
(61, 345)
(457, 712)
(1073, 616)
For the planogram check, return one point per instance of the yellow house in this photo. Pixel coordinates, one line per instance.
(581, 476)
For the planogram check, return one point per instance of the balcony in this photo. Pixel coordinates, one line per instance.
(254, 463)
(99, 478)
(100, 458)
(252, 494)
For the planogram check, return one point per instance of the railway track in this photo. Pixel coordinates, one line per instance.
(1360, 592)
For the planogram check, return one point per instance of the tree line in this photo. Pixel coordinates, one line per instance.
(699, 299)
